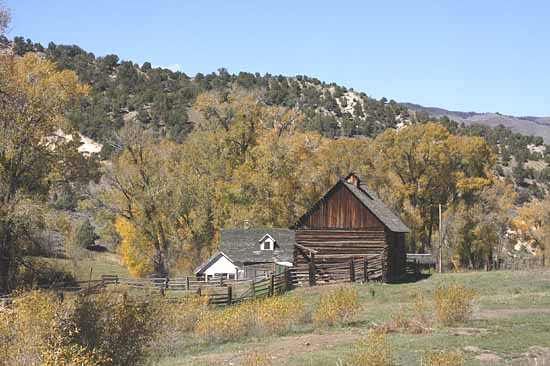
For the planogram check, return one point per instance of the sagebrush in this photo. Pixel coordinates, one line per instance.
(375, 350)
(454, 303)
(337, 307)
(442, 358)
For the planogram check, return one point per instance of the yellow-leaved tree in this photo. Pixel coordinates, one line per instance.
(427, 166)
(34, 154)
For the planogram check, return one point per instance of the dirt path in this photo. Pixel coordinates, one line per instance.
(503, 313)
(283, 348)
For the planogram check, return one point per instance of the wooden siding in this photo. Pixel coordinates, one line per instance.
(337, 246)
(342, 210)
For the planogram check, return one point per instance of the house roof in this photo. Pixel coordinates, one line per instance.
(203, 267)
(369, 199)
(243, 245)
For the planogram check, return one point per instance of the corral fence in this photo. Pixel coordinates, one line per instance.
(221, 291)
(365, 269)
(520, 263)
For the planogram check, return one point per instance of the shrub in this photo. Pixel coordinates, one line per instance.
(413, 318)
(229, 323)
(373, 351)
(178, 319)
(35, 331)
(277, 315)
(274, 315)
(85, 235)
(421, 309)
(337, 307)
(453, 303)
(119, 329)
(442, 358)
(39, 272)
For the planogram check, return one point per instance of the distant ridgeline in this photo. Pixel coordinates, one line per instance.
(160, 99)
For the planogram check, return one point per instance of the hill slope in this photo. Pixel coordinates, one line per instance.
(160, 100)
(533, 126)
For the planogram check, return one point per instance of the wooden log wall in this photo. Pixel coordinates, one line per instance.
(339, 246)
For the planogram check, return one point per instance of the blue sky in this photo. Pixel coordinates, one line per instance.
(487, 56)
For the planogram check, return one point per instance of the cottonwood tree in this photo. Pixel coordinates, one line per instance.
(429, 166)
(34, 156)
(533, 223)
(475, 231)
(161, 194)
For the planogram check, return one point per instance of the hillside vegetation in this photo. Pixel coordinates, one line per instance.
(157, 195)
(161, 100)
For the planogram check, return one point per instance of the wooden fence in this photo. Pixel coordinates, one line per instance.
(226, 292)
(520, 263)
(368, 268)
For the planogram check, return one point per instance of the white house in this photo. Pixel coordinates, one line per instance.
(218, 265)
(246, 253)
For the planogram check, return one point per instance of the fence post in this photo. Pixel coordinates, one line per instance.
(383, 265)
(253, 288)
(287, 279)
(187, 283)
(271, 285)
(351, 271)
(199, 291)
(229, 294)
(312, 281)
(366, 270)
(221, 280)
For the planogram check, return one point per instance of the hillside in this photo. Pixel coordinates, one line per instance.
(162, 101)
(528, 125)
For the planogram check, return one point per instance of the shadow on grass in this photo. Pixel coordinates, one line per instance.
(411, 278)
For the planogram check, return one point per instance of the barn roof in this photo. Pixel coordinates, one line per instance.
(369, 199)
(377, 207)
(243, 245)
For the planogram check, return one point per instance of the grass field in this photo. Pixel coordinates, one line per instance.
(98, 263)
(510, 326)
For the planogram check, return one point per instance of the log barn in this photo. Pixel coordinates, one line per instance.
(349, 222)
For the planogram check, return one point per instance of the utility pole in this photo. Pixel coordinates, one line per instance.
(440, 242)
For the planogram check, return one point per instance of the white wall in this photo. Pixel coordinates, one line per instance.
(221, 265)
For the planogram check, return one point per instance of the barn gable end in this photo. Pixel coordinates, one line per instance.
(350, 221)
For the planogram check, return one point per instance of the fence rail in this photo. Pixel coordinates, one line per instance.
(224, 291)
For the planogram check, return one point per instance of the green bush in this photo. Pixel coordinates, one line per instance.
(116, 327)
(38, 272)
(85, 235)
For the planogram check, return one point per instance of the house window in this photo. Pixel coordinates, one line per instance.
(267, 242)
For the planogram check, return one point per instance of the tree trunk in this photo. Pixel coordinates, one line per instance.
(4, 273)
(5, 259)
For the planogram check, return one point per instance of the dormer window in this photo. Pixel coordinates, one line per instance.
(267, 242)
